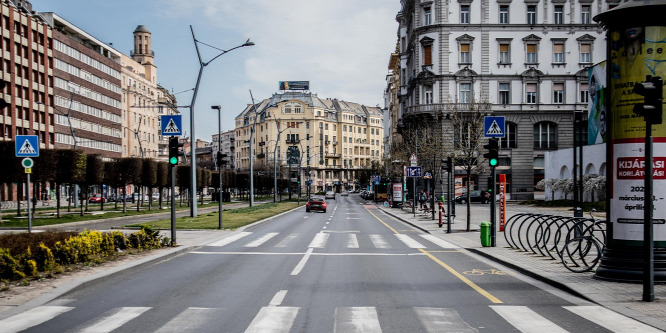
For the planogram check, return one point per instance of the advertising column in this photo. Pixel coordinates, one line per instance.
(636, 48)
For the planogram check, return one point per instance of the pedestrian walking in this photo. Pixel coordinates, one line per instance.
(422, 198)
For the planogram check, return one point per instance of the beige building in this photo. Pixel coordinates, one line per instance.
(336, 139)
(140, 120)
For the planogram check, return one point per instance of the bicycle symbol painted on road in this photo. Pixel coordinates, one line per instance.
(491, 271)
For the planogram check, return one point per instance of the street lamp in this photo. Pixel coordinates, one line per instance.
(219, 163)
(202, 65)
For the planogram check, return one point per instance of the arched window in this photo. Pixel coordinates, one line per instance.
(509, 139)
(545, 135)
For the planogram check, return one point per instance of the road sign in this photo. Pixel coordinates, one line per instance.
(27, 146)
(413, 171)
(413, 160)
(493, 127)
(427, 175)
(28, 170)
(27, 163)
(171, 125)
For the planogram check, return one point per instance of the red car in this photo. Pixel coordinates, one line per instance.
(96, 198)
(316, 203)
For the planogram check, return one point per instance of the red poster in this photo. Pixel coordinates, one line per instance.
(502, 201)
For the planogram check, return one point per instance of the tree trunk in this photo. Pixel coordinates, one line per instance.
(19, 194)
(57, 188)
(161, 189)
(69, 198)
(87, 196)
(150, 198)
(124, 201)
(101, 206)
(469, 211)
(116, 204)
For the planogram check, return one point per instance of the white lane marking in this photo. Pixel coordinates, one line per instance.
(301, 263)
(32, 317)
(353, 218)
(526, 320)
(115, 319)
(261, 240)
(411, 243)
(286, 240)
(314, 254)
(328, 222)
(610, 320)
(190, 320)
(356, 319)
(443, 320)
(230, 239)
(278, 298)
(379, 242)
(352, 241)
(274, 319)
(440, 242)
(324, 228)
(320, 240)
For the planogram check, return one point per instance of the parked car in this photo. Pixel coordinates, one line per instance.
(96, 198)
(474, 196)
(344, 194)
(367, 195)
(316, 203)
(330, 195)
(135, 197)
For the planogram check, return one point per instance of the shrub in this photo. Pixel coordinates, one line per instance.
(9, 267)
(44, 259)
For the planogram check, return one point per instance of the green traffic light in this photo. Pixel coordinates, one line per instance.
(493, 162)
(173, 160)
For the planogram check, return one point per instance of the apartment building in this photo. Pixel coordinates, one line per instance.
(227, 148)
(167, 105)
(335, 139)
(528, 59)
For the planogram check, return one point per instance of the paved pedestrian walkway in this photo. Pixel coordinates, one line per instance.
(625, 298)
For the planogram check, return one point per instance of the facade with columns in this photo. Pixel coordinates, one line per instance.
(528, 59)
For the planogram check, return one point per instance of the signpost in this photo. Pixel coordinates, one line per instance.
(27, 146)
(171, 125)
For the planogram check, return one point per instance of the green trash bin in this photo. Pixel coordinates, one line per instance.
(485, 234)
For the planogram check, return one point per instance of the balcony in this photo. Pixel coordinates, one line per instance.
(293, 141)
(432, 109)
(262, 155)
(335, 142)
(262, 143)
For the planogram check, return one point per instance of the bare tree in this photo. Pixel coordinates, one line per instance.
(466, 125)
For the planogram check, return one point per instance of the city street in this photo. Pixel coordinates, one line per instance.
(351, 269)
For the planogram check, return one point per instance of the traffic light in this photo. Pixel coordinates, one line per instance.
(3, 103)
(219, 158)
(490, 184)
(652, 92)
(447, 164)
(493, 152)
(174, 150)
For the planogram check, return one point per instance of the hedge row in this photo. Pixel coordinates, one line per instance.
(88, 247)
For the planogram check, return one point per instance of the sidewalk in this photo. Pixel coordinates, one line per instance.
(624, 298)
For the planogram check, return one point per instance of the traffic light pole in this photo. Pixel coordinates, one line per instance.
(29, 203)
(173, 205)
(493, 222)
(648, 227)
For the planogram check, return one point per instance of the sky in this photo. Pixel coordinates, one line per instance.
(341, 46)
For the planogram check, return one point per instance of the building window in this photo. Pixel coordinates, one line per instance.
(585, 14)
(586, 53)
(504, 14)
(504, 93)
(531, 14)
(545, 135)
(505, 54)
(532, 54)
(465, 92)
(464, 14)
(558, 93)
(558, 53)
(509, 139)
(531, 93)
(427, 55)
(465, 56)
(427, 16)
(427, 94)
(559, 14)
(584, 93)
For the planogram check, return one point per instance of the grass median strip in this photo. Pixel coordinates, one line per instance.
(232, 218)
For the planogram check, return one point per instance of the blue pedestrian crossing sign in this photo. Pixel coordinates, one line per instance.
(27, 146)
(171, 125)
(493, 127)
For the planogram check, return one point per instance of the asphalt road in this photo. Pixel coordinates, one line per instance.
(351, 269)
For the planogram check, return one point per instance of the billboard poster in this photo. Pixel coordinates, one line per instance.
(502, 201)
(596, 105)
(294, 85)
(635, 53)
(397, 192)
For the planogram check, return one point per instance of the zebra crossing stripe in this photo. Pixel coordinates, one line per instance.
(274, 319)
(440, 242)
(320, 240)
(189, 320)
(443, 320)
(286, 240)
(230, 239)
(356, 319)
(526, 320)
(379, 242)
(112, 321)
(261, 240)
(411, 243)
(352, 241)
(610, 320)
(32, 317)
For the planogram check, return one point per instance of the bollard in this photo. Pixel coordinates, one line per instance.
(441, 214)
(485, 234)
